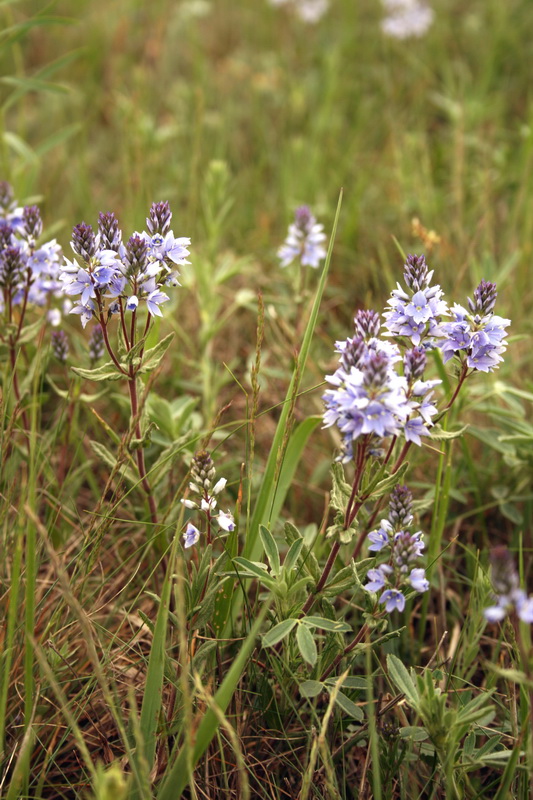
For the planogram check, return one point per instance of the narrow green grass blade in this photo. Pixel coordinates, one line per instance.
(178, 777)
(269, 487)
(153, 690)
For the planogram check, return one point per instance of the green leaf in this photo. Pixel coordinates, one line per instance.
(327, 624)
(310, 689)
(29, 332)
(108, 458)
(306, 644)
(107, 372)
(349, 707)
(293, 554)
(340, 489)
(438, 434)
(417, 734)
(350, 682)
(253, 569)
(344, 579)
(278, 632)
(271, 549)
(153, 357)
(378, 488)
(402, 680)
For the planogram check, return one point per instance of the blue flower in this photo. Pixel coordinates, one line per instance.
(304, 241)
(417, 311)
(191, 535)
(476, 339)
(393, 600)
(377, 578)
(418, 580)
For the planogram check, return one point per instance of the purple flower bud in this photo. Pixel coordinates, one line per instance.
(32, 224)
(367, 323)
(202, 469)
(110, 233)
(136, 257)
(303, 219)
(375, 371)
(484, 299)
(414, 364)
(400, 506)
(11, 266)
(6, 234)
(159, 219)
(416, 273)
(96, 344)
(353, 353)
(84, 241)
(60, 346)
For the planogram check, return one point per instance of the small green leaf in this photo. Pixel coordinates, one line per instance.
(253, 569)
(349, 707)
(327, 624)
(311, 688)
(415, 733)
(306, 644)
(153, 357)
(438, 434)
(271, 549)
(293, 554)
(278, 632)
(107, 372)
(402, 680)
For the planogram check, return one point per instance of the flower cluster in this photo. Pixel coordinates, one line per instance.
(476, 336)
(370, 397)
(378, 391)
(406, 18)
(108, 275)
(202, 478)
(403, 548)
(416, 312)
(305, 241)
(506, 583)
(29, 271)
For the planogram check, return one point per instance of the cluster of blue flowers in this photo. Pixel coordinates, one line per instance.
(403, 548)
(476, 336)
(304, 242)
(379, 392)
(370, 397)
(509, 596)
(416, 312)
(29, 270)
(111, 276)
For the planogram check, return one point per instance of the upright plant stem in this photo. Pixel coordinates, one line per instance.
(132, 386)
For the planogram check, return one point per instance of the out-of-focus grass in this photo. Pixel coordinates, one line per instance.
(437, 128)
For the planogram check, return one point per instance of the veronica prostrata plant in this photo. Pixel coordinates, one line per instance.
(122, 287)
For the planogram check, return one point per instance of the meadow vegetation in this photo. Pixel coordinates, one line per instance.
(223, 575)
